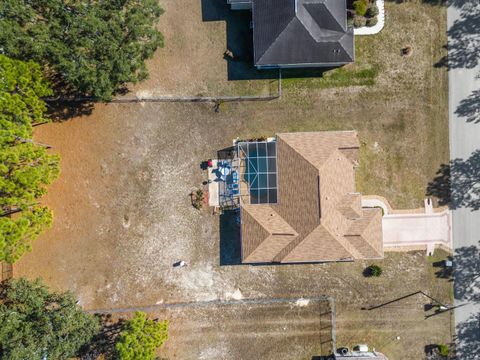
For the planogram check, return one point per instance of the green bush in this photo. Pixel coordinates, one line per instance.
(372, 11)
(443, 349)
(373, 270)
(360, 7)
(359, 21)
(372, 21)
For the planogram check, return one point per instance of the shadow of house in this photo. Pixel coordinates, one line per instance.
(230, 241)
(239, 47)
(457, 184)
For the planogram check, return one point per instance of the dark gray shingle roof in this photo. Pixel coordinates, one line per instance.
(301, 32)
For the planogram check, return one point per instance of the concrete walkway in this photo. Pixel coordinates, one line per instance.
(464, 115)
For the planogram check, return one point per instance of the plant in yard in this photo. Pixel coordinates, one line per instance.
(359, 21)
(37, 324)
(25, 167)
(443, 349)
(372, 21)
(360, 7)
(373, 270)
(141, 337)
(198, 197)
(372, 11)
(86, 47)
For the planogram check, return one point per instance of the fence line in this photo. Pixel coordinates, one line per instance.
(168, 98)
(6, 271)
(194, 304)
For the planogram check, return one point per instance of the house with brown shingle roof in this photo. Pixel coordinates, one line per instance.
(298, 201)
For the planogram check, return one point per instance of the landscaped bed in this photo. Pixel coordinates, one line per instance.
(362, 13)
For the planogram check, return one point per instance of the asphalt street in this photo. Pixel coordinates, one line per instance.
(464, 119)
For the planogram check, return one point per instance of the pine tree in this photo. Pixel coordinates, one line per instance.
(141, 337)
(87, 47)
(25, 167)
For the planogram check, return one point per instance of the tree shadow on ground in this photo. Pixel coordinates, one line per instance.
(103, 344)
(464, 40)
(230, 245)
(63, 110)
(467, 273)
(468, 338)
(239, 46)
(457, 184)
(469, 108)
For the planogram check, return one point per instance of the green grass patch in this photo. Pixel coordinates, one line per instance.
(340, 77)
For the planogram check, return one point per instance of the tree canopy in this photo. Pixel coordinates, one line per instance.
(141, 337)
(35, 323)
(90, 47)
(25, 167)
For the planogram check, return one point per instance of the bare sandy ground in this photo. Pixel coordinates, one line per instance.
(123, 217)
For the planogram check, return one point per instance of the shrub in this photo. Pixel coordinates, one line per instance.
(197, 199)
(372, 21)
(372, 11)
(360, 7)
(359, 21)
(443, 349)
(373, 270)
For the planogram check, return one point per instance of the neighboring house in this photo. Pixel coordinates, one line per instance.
(298, 202)
(299, 33)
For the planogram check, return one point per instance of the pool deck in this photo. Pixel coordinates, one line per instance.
(213, 188)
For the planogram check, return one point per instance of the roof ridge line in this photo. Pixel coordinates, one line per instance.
(276, 214)
(324, 3)
(276, 38)
(370, 222)
(330, 11)
(365, 241)
(341, 240)
(341, 45)
(303, 157)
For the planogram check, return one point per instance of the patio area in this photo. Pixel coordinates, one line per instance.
(245, 173)
(223, 183)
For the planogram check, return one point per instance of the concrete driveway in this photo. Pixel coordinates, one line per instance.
(413, 229)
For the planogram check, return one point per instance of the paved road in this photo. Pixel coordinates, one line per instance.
(464, 140)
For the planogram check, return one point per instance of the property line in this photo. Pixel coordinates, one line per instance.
(167, 98)
(195, 304)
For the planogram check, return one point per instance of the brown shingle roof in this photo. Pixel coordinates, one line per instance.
(274, 235)
(318, 216)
